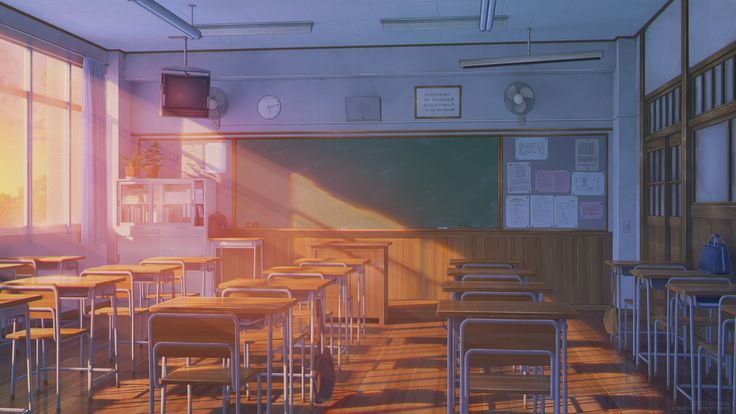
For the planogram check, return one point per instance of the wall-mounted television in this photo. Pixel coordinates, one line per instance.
(185, 94)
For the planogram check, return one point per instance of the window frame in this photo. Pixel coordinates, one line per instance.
(70, 107)
(729, 122)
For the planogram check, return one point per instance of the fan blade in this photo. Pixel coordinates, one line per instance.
(511, 92)
(520, 108)
(526, 92)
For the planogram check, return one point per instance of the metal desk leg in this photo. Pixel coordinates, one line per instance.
(29, 375)
(649, 330)
(691, 335)
(269, 363)
(563, 326)
(451, 366)
(676, 357)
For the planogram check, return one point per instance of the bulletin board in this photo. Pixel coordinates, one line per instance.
(555, 182)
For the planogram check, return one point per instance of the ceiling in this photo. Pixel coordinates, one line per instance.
(121, 24)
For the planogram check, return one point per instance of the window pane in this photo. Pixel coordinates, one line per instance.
(718, 80)
(708, 90)
(50, 165)
(729, 79)
(14, 64)
(698, 86)
(711, 163)
(50, 77)
(677, 105)
(733, 159)
(77, 84)
(12, 160)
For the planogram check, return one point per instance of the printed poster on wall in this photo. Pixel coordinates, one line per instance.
(552, 181)
(566, 212)
(519, 177)
(532, 148)
(586, 154)
(588, 184)
(542, 211)
(591, 210)
(517, 211)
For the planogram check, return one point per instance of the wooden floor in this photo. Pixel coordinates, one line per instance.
(399, 368)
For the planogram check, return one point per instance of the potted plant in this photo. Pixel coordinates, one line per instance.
(132, 166)
(152, 157)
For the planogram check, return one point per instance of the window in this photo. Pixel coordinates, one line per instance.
(714, 159)
(40, 122)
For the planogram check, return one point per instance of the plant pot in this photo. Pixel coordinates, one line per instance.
(151, 171)
(131, 172)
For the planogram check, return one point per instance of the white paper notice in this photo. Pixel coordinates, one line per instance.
(566, 211)
(586, 154)
(519, 177)
(531, 148)
(589, 184)
(517, 211)
(542, 211)
(215, 157)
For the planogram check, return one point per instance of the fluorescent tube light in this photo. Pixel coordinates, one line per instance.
(433, 23)
(235, 29)
(487, 12)
(530, 59)
(169, 17)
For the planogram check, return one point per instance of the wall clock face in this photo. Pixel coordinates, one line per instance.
(269, 107)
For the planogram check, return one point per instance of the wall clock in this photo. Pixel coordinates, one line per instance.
(269, 107)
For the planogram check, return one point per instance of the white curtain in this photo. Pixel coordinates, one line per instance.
(94, 171)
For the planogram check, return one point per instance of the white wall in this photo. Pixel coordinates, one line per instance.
(662, 48)
(711, 27)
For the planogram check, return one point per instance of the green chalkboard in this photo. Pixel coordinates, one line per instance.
(368, 182)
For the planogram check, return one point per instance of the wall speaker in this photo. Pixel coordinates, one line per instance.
(363, 108)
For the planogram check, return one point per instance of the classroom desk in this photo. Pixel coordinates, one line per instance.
(513, 263)
(618, 267)
(149, 273)
(693, 295)
(381, 265)
(246, 310)
(457, 288)
(58, 261)
(20, 302)
(200, 264)
(456, 311)
(458, 273)
(255, 244)
(81, 288)
(342, 276)
(358, 264)
(651, 279)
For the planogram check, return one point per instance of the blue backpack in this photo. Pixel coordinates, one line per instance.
(714, 257)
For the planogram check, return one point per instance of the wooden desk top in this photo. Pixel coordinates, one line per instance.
(493, 286)
(667, 273)
(295, 284)
(255, 239)
(187, 260)
(10, 301)
(460, 262)
(51, 259)
(333, 271)
(701, 289)
(350, 261)
(622, 263)
(239, 306)
(350, 245)
(11, 266)
(455, 272)
(67, 282)
(729, 310)
(136, 270)
(506, 310)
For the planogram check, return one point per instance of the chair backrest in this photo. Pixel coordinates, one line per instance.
(182, 335)
(654, 266)
(177, 273)
(48, 305)
(503, 278)
(499, 296)
(492, 265)
(277, 275)
(511, 335)
(256, 292)
(322, 264)
(715, 281)
(126, 285)
(28, 269)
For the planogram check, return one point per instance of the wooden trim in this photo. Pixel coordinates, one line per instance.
(642, 31)
(670, 130)
(670, 85)
(686, 158)
(362, 134)
(715, 116)
(713, 59)
(643, 121)
(718, 211)
(321, 232)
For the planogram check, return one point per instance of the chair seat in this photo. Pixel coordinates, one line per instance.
(206, 374)
(122, 311)
(47, 333)
(511, 384)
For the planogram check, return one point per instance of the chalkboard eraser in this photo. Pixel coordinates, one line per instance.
(442, 228)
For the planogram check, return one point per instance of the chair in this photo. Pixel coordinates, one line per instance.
(717, 350)
(183, 335)
(48, 308)
(503, 343)
(180, 279)
(251, 337)
(349, 299)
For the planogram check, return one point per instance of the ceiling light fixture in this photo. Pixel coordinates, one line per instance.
(235, 29)
(433, 23)
(487, 12)
(169, 17)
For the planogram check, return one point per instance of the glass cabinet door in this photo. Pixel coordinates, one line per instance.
(173, 204)
(134, 203)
